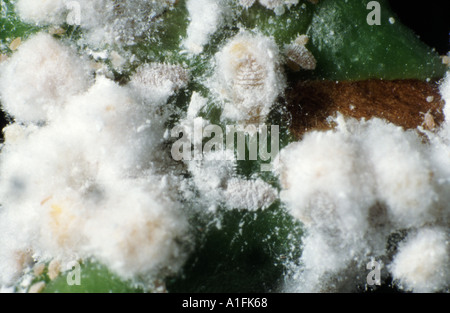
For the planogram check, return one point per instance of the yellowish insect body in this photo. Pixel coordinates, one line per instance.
(250, 74)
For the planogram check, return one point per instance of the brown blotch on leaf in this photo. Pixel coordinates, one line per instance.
(401, 102)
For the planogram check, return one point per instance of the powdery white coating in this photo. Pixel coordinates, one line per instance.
(42, 11)
(135, 18)
(195, 105)
(206, 16)
(142, 240)
(39, 77)
(330, 264)
(440, 153)
(104, 21)
(115, 114)
(83, 185)
(249, 77)
(422, 263)
(249, 194)
(247, 3)
(187, 124)
(210, 175)
(215, 178)
(273, 4)
(354, 186)
(276, 5)
(156, 82)
(320, 189)
(214, 172)
(404, 177)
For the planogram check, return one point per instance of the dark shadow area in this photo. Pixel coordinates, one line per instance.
(4, 120)
(429, 20)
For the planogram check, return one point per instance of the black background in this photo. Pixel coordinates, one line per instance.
(430, 20)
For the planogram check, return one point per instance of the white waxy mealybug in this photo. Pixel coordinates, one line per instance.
(249, 75)
(299, 57)
(157, 74)
(250, 79)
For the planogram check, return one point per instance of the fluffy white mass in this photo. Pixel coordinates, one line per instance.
(104, 21)
(90, 179)
(215, 178)
(39, 77)
(353, 188)
(249, 77)
(84, 170)
(273, 4)
(249, 194)
(42, 11)
(278, 6)
(155, 82)
(214, 172)
(422, 263)
(84, 183)
(206, 16)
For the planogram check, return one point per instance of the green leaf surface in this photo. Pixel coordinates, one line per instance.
(240, 251)
(348, 48)
(95, 278)
(11, 26)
